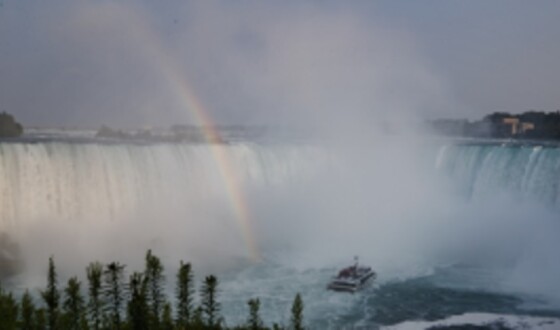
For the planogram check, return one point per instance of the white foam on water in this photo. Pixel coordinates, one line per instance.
(514, 322)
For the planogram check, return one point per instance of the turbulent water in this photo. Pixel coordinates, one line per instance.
(450, 228)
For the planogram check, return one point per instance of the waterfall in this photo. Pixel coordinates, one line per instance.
(522, 172)
(106, 182)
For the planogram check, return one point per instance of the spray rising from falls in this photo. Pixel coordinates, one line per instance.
(104, 184)
(510, 215)
(158, 193)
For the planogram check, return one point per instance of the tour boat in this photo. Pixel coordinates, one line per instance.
(352, 278)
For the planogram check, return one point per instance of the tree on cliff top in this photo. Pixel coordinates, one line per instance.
(9, 127)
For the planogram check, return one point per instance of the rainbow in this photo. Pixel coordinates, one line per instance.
(220, 152)
(172, 73)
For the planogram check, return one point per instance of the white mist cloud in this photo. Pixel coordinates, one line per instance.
(305, 64)
(252, 62)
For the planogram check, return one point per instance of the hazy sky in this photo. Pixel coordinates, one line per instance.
(122, 62)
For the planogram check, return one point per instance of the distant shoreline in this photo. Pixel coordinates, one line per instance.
(33, 136)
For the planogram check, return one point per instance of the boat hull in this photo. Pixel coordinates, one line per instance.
(351, 285)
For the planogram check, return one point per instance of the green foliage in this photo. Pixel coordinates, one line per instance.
(210, 307)
(9, 127)
(51, 296)
(27, 319)
(546, 125)
(94, 273)
(497, 117)
(114, 294)
(184, 295)
(155, 280)
(73, 305)
(8, 311)
(297, 313)
(137, 308)
(107, 299)
(41, 319)
(167, 318)
(197, 321)
(254, 322)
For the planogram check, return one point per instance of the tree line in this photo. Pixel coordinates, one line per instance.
(546, 126)
(136, 303)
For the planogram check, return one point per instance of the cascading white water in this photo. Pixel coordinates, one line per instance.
(112, 185)
(511, 197)
(111, 201)
(522, 172)
(80, 182)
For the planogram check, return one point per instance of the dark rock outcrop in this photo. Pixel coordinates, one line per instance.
(9, 127)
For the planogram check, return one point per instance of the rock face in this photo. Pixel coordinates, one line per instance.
(9, 127)
(10, 257)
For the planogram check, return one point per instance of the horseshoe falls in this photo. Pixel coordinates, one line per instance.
(77, 181)
(452, 229)
(525, 173)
